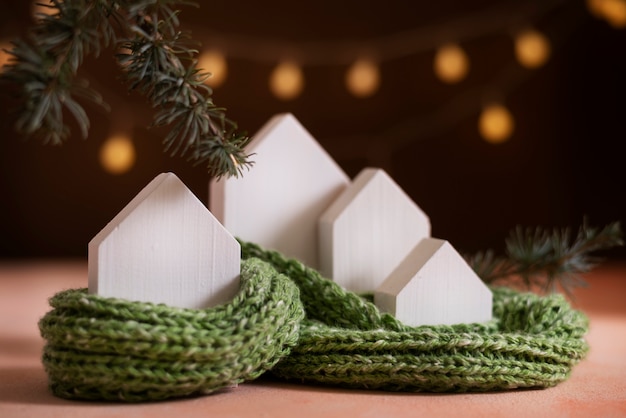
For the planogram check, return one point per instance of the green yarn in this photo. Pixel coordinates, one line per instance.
(532, 342)
(112, 349)
(290, 321)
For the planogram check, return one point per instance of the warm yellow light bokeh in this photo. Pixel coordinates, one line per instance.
(613, 11)
(595, 7)
(532, 49)
(117, 154)
(287, 81)
(122, 50)
(38, 8)
(4, 56)
(496, 124)
(451, 64)
(363, 78)
(214, 62)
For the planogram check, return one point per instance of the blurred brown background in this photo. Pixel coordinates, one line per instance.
(564, 160)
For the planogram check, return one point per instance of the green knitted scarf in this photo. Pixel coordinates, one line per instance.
(291, 322)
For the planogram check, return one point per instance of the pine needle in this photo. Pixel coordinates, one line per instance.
(160, 64)
(547, 260)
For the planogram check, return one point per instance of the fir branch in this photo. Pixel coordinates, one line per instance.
(547, 259)
(161, 65)
(45, 66)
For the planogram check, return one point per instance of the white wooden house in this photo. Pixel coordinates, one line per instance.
(278, 202)
(434, 286)
(165, 247)
(368, 230)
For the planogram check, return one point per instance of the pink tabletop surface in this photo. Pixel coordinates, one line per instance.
(597, 387)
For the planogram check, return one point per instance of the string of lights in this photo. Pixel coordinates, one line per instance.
(363, 76)
(363, 59)
(495, 122)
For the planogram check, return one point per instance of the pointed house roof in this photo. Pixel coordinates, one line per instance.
(277, 203)
(368, 230)
(165, 247)
(435, 286)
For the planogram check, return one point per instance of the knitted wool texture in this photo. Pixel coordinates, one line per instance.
(290, 321)
(113, 349)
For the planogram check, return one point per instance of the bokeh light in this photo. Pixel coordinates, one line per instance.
(451, 64)
(213, 62)
(40, 7)
(287, 81)
(363, 78)
(5, 57)
(613, 11)
(117, 154)
(532, 48)
(496, 124)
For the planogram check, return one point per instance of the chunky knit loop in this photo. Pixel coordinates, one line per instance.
(291, 321)
(532, 341)
(105, 348)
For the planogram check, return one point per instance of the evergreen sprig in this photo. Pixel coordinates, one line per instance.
(44, 67)
(160, 64)
(545, 259)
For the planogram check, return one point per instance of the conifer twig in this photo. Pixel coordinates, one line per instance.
(159, 63)
(547, 259)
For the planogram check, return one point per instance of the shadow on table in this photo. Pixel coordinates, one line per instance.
(269, 381)
(26, 385)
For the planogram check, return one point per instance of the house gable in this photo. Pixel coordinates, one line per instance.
(435, 286)
(277, 203)
(368, 230)
(165, 247)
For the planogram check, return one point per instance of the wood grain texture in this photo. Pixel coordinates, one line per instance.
(278, 202)
(434, 286)
(368, 231)
(165, 247)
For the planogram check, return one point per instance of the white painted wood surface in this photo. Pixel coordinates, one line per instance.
(165, 247)
(435, 286)
(368, 231)
(278, 202)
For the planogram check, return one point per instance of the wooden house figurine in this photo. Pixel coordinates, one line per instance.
(368, 230)
(434, 286)
(165, 247)
(278, 202)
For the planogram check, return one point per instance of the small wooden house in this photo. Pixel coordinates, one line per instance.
(277, 203)
(368, 230)
(165, 247)
(434, 286)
